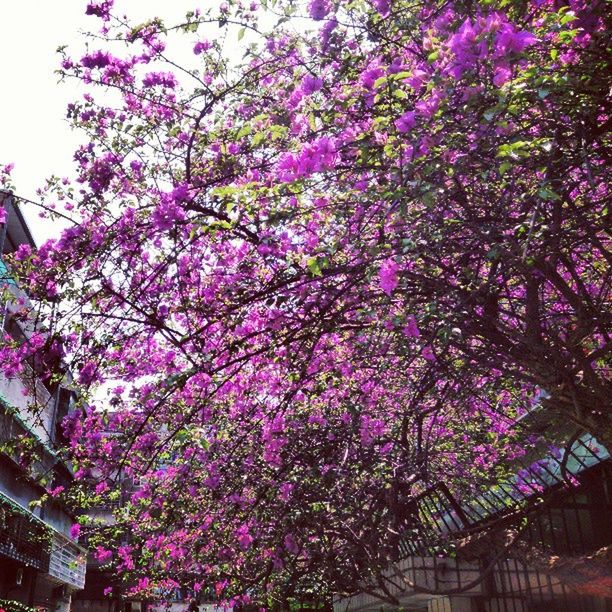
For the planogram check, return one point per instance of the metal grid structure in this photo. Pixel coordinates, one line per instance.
(566, 499)
(67, 562)
(22, 538)
(440, 515)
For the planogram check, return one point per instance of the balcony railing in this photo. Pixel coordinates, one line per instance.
(25, 551)
(67, 562)
(23, 537)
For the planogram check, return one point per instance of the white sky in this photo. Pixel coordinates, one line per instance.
(34, 134)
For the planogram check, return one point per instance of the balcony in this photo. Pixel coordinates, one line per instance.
(23, 537)
(29, 540)
(67, 562)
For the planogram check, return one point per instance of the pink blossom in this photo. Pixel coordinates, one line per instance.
(428, 353)
(291, 545)
(502, 74)
(103, 555)
(411, 329)
(406, 122)
(388, 276)
(318, 9)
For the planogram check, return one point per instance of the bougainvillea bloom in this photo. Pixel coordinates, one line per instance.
(307, 284)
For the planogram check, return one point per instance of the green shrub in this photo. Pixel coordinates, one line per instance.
(10, 605)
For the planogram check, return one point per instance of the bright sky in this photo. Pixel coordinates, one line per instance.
(34, 134)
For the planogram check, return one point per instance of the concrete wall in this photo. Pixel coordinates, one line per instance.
(36, 409)
(35, 589)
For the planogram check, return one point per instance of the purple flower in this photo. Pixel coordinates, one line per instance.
(370, 75)
(411, 329)
(245, 540)
(88, 373)
(102, 172)
(285, 491)
(463, 45)
(99, 59)
(388, 276)
(165, 79)
(103, 555)
(180, 193)
(382, 6)
(501, 75)
(290, 544)
(310, 84)
(370, 429)
(169, 211)
(406, 122)
(508, 40)
(326, 32)
(428, 107)
(428, 353)
(318, 9)
(100, 9)
(201, 46)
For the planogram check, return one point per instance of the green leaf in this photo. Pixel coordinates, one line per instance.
(546, 193)
(489, 114)
(398, 76)
(245, 130)
(380, 81)
(241, 33)
(313, 266)
(258, 138)
(567, 18)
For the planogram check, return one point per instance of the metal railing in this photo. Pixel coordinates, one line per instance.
(67, 561)
(438, 515)
(23, 539)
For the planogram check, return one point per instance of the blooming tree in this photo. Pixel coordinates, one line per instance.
(317, 280)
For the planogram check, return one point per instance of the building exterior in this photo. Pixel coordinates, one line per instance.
(41, 565)
(566, 522)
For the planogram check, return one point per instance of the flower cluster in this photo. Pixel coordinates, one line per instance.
(324, 279)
